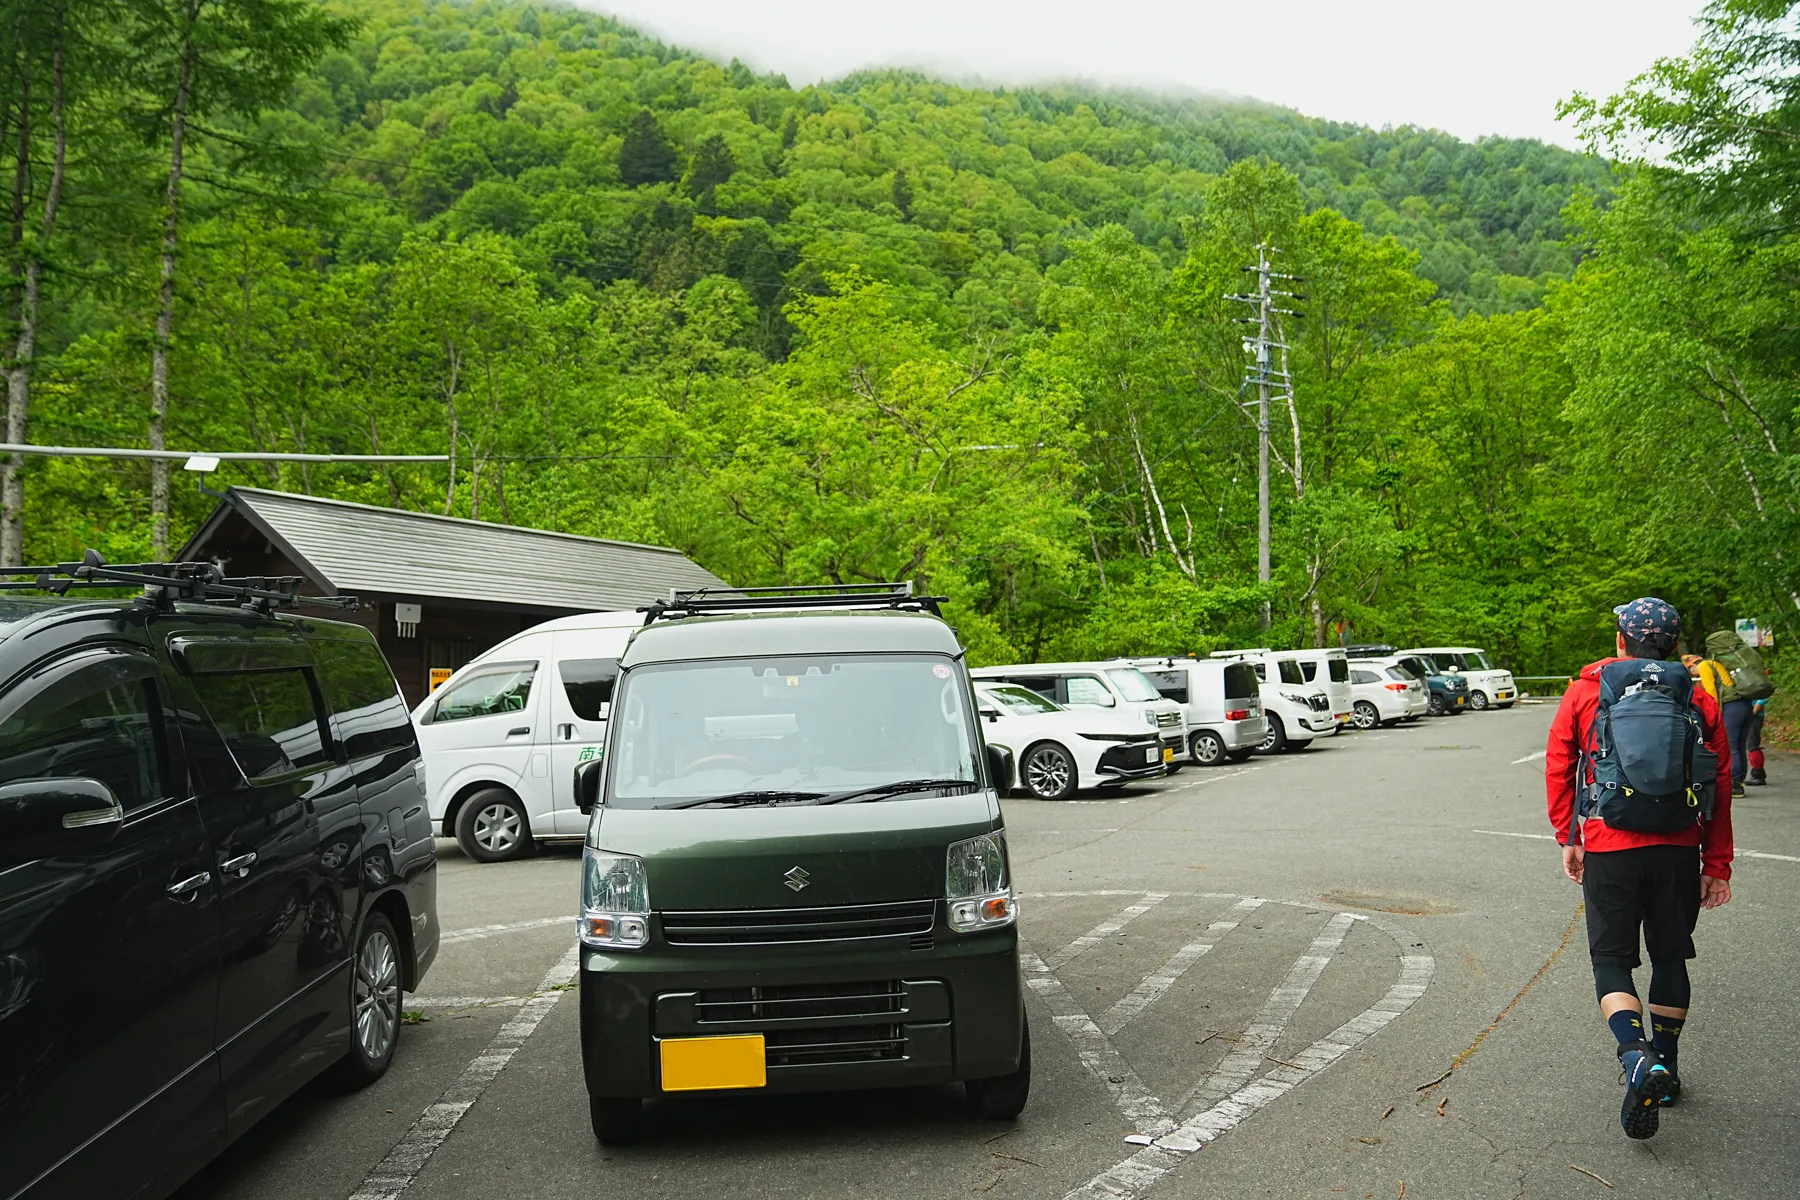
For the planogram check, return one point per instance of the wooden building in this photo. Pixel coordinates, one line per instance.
(436, 591)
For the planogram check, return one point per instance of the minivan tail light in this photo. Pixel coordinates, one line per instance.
(1237, 714)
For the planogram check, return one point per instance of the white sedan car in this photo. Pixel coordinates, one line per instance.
(1061, 749)
(1382, 694)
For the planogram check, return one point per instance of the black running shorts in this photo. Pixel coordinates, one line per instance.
(1653, 887)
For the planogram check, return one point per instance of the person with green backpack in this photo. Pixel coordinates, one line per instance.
(1749, 682)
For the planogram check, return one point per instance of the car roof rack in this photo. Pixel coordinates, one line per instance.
(704, 601)
(165, 583)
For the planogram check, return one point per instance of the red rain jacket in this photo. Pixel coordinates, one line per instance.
(1571, 732)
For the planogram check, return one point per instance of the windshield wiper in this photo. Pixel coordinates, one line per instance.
(746, 799)
(897, 787)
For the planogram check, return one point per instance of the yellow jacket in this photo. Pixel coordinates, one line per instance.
(1711, 674)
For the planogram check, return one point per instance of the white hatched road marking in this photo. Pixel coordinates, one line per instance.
(1145, 994)
(486, 931)
(1545, 837)
(1136, 1175)
(1531, 757)
(467, 1001)
(1107, 928)
(396, 1172)
(1235, 1070)
(1133, 1100)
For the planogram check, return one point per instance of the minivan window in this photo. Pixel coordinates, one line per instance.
(1088, 692)
(491, 690)
(1475, 660)
(588, 683)
(1290, 671)
(1021, 701)
(1132, 684)
(1360, 676)
(1447, 662)
(269, 719)
(1419, 667)
(806, 726)
(1240, 681)
(1171, 685)
(103, 734)
(371, 716)
(1339, 669)
(1309, 669)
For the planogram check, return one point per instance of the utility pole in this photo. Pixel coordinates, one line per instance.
(1263, 374)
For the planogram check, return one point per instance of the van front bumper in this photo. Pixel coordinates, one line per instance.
(951, 1012)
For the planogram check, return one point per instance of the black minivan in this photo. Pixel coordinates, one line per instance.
(217, 872)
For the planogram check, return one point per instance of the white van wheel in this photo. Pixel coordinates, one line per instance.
(493, 827)
(1478, 699)
(1207, 747)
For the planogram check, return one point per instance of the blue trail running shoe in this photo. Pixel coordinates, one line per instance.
(1648, 1085)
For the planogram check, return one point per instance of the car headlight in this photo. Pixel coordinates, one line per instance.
(977, 886)
(1150, 718)
(615, 901)
(1302, 701)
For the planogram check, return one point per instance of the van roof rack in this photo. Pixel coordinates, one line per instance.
(165, 583)
(702, 601)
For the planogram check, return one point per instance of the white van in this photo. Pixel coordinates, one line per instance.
(1336, 666)
(501, 736)
(1489, 686)
(1297, 711)
(1221, 700)
(1101, 685)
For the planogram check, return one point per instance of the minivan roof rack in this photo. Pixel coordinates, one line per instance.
(164, 583)
(701, 601)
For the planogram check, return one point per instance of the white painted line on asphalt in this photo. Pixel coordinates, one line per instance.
(1146, 993)
(1134, 1101)
(487, 931)
(1107, 928)
(1138, 1174)
(466, 1001)
(1235, 1070)
(1530, 757)
(1549, 838)
(396, 1172)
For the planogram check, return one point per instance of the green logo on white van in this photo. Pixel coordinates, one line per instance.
(588, 754)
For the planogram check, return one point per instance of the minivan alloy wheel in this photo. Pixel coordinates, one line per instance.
(377, 996)
(1207, 747)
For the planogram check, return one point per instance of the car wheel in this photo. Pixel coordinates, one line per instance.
(617, 1121)
(1241, 755)
(1478, 700)
(1366, 715)
(374, 1005)
(1276, 739)
(493, 827)
(1207, 747)
(1435, 705)
(1049, 772)
(1002, 1098)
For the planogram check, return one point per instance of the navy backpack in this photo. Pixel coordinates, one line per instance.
(1652, 770)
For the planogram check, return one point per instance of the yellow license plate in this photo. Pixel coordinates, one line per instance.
(708, 1063)
(1168, 754)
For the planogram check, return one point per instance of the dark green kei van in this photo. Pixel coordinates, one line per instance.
(795, 876)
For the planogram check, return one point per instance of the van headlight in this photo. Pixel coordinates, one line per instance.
(615, 901)
(1150, 718)
(977, 886)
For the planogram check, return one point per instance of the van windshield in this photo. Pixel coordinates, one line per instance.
(1133, 685)
(1475, 660)
(790, 730)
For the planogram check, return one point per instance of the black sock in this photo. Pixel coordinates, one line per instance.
(1627, 1026)
(1667, 1037)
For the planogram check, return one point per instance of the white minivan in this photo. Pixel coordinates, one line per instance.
(501, 737)
(1221, 700)
(1297, 711)
(1336, 667)
(1489, 686)
(1101, 685)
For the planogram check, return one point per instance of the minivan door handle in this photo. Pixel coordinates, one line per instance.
(239, 866)
(186, 888)
(521, 731)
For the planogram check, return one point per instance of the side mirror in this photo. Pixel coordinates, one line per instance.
(51, 816)
(1000, 768)
(587, 784)
(991, 714)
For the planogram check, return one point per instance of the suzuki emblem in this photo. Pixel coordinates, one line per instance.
(797, 878)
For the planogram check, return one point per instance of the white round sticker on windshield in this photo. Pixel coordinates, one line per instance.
(941, 671)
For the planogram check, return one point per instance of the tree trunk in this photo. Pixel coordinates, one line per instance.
(165, 298)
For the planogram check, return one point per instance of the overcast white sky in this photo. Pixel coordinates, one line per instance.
(1469, 68)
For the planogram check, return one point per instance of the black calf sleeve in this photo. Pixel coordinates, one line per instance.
(1610, 978)
(1669, 985)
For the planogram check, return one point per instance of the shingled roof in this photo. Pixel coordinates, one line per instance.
(360, 549)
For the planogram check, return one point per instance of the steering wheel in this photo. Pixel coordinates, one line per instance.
(711, 760)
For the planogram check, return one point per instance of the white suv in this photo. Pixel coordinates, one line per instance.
(1384, 694)
(1297, 711)
(1489, 686)
(1100, 685)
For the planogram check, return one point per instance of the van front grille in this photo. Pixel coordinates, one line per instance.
(789, 1002)
(849, 1044)
(1319, 703)
(1167, 720)
(776, 926)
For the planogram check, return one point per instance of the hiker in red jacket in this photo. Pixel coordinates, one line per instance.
(1634, 751)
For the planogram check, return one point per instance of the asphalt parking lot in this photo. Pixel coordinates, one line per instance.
(1352, 971)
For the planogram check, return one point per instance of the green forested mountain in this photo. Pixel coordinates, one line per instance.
(887, 327)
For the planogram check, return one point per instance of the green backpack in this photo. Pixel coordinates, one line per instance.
(1749, 678)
